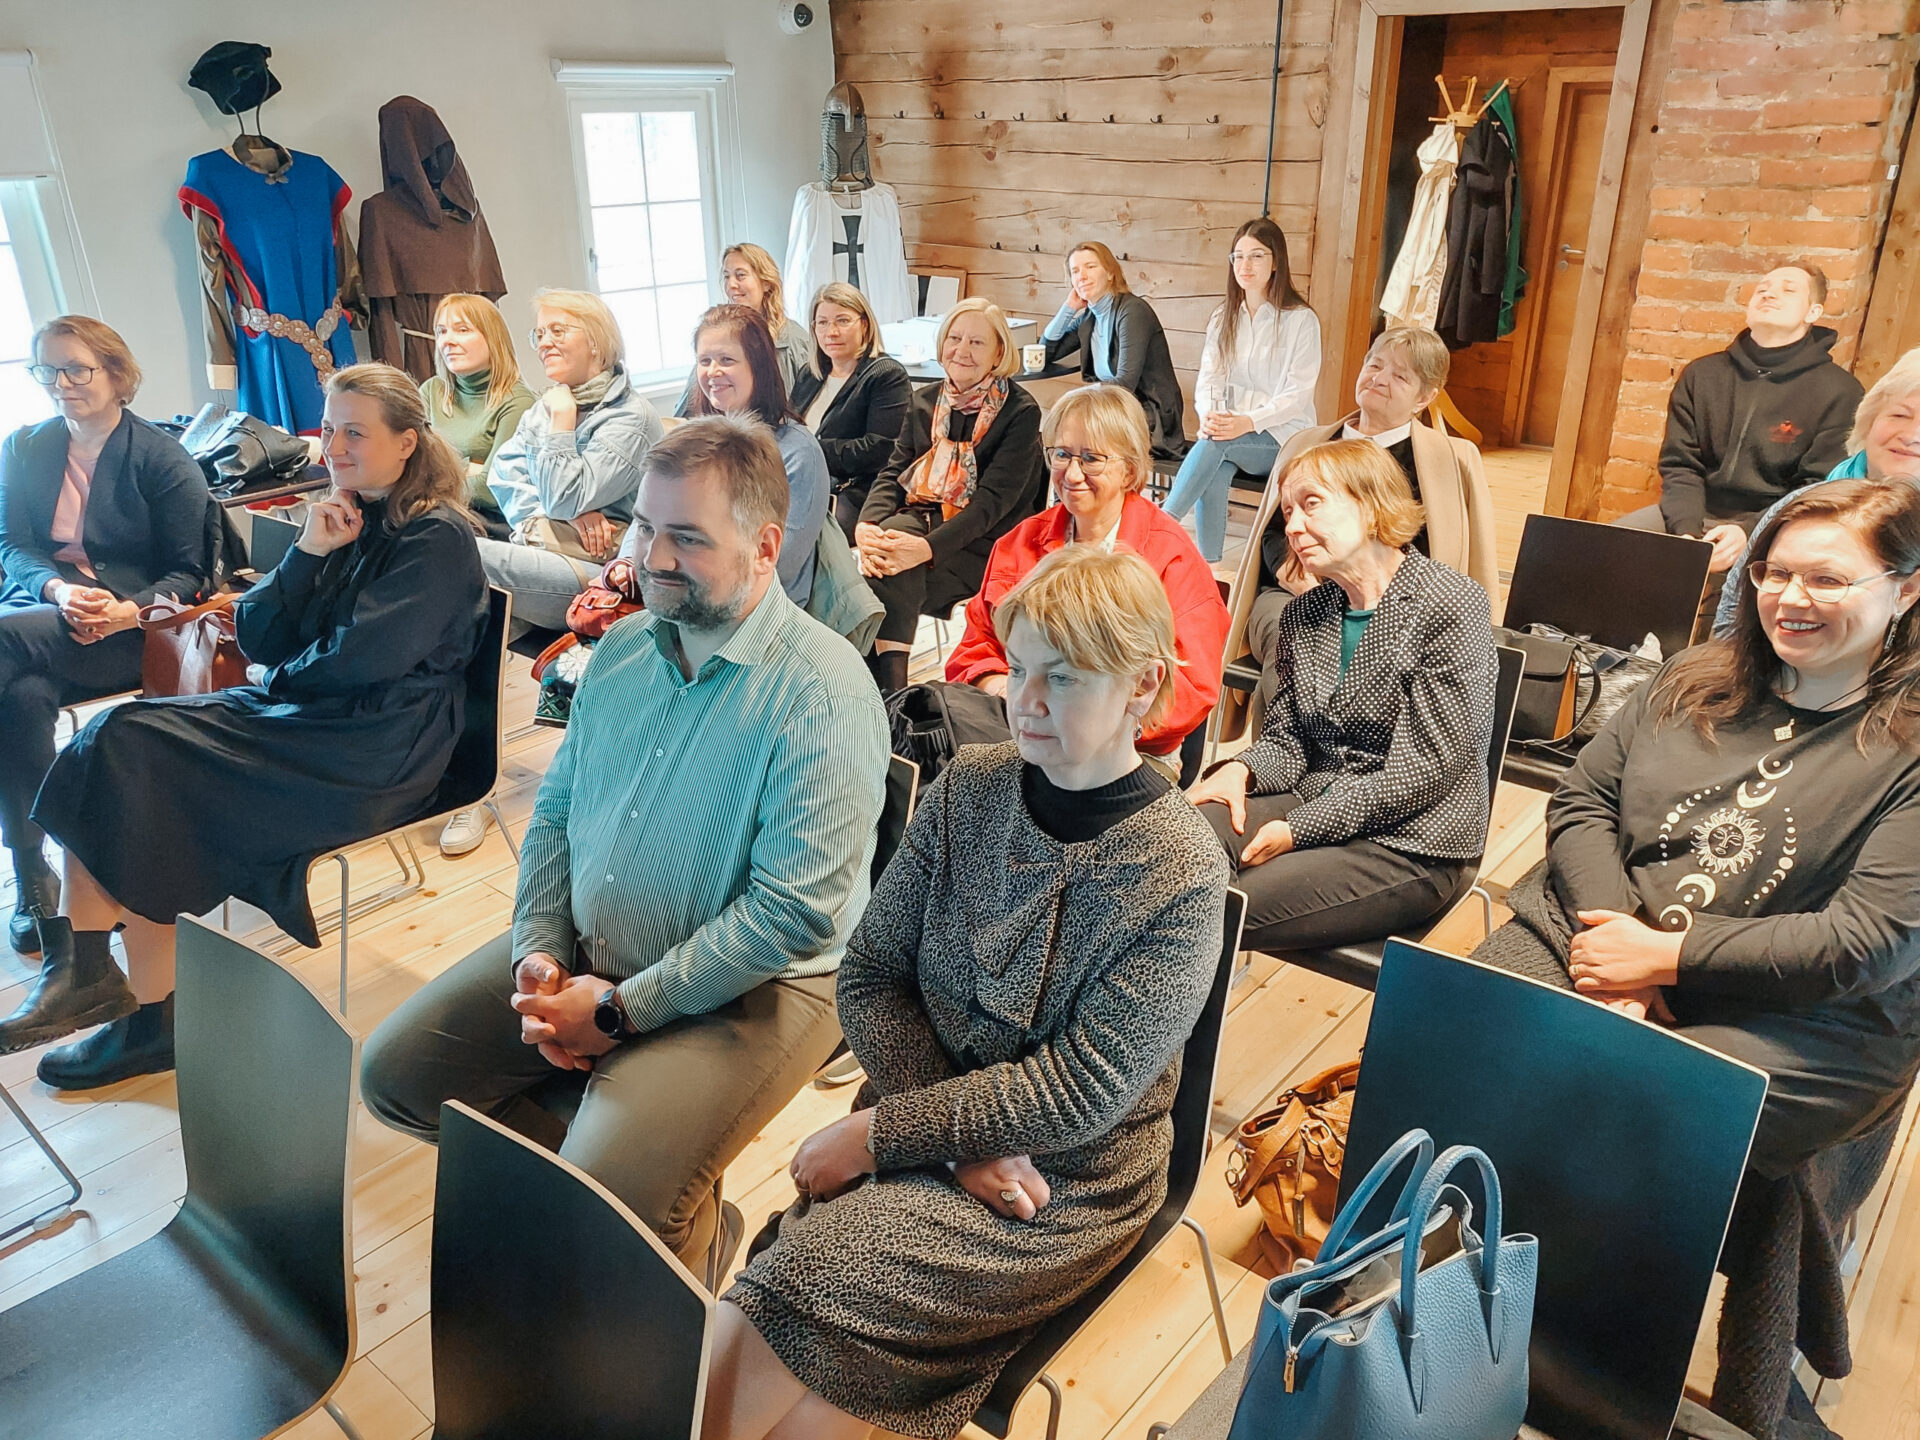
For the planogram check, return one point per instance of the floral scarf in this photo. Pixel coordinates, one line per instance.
(947, 474)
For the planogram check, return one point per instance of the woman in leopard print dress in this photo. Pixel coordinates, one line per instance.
(1019, 992)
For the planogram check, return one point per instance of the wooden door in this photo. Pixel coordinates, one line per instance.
(1577, 101)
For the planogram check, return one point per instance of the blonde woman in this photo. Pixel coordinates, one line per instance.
(366, 630)
(1362, 808)
(475, 397)
(966, 469)
(1119, 340)
(853, 397)
(1099, 457)
(1013, 1139)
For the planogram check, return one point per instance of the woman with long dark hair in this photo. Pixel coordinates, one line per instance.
(1737, 853)
(167, 807)
(736, 371)
(1257, 373)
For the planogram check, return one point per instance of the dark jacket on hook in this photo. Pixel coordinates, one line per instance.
(1479, 221)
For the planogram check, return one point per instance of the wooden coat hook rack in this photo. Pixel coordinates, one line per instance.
(1466, 114)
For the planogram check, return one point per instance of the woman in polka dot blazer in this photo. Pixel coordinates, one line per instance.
(1361, 811)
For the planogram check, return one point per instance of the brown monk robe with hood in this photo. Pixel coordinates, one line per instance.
(421, 238)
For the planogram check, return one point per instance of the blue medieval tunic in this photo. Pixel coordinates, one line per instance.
(273, 253)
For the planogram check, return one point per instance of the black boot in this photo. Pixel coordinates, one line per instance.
(136, 1044)
(35, 888)
(78, 985)
(889, 669)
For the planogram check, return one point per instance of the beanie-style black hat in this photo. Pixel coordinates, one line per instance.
(235, 74)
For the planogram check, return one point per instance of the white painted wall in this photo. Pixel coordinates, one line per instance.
(113, 74)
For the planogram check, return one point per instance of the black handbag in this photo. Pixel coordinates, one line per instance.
(931, 722)
(239, 453)
(1549, 685)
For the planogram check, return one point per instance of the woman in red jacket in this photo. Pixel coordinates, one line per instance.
(1099, 459)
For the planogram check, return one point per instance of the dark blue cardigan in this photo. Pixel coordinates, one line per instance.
(146, 527)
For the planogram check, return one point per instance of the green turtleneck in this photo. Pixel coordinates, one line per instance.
(475, 429)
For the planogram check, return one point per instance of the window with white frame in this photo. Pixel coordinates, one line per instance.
(21, 401)
(650, 145)
(41, 271)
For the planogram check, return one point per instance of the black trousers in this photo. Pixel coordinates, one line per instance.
(42, 668)
(1328, 895)
(904, 593)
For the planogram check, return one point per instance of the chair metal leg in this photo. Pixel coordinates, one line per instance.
(46, 1219)
(1055, 1400)
(513, 846)
(1486, 908)
(345, 917)
(719, 1235)
(1213, 1285)
(1157, 1429)
(346, 1425)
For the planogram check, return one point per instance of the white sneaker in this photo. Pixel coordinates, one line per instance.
(464, 832)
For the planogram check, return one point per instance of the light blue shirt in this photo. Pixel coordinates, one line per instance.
(809, 495)
(693, 838)
(1065, 321)
(1854, 467)
(563, 474)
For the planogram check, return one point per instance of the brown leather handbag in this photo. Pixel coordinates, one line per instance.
(1288, 1157)
(190, 649)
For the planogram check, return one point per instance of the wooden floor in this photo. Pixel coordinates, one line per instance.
(1148, 1353)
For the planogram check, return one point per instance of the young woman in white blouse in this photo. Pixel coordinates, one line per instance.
(1257, 373)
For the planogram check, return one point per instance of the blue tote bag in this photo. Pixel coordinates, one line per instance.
(1418, 1331)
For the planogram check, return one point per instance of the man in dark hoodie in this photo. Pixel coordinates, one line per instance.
(1765, 416)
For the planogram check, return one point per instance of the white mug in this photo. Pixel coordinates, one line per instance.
(1033, 358)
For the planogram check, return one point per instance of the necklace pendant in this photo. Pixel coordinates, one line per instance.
(1783, 732)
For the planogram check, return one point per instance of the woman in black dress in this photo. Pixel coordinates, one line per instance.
(167, 807)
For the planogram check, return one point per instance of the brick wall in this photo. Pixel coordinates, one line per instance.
(1779, 124)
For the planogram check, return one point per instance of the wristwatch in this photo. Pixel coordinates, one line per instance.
(610, 1016)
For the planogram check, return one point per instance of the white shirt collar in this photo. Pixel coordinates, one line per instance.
(1386, 439)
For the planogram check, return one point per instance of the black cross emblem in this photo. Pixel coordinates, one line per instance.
(853, 249)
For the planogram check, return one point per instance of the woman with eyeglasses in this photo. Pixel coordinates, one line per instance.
(100, 513)
(1737, 853)
(567, 478)
(1099, 455)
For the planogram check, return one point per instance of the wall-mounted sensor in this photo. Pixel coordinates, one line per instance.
(795, 16)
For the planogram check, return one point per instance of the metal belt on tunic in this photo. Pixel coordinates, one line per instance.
(311, 338)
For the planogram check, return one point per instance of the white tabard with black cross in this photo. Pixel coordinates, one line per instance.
(855, 238)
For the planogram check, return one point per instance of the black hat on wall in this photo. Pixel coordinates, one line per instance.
(235, 74)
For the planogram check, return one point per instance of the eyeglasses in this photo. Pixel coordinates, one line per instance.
(839, 322)
(1090, 463)
(559, 334)
(1771, 579)
(76, 374)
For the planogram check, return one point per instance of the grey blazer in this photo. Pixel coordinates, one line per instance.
(1395, 750)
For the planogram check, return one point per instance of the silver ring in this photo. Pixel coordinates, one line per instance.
(1009, 1196)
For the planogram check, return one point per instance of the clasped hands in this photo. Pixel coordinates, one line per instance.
(1625, 963)
(1224, 425)
(92, 614)
(888, 552)
(831, 1161)
(1228, 786)
(556, 1012)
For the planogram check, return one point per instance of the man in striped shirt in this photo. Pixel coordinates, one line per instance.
(697, 857)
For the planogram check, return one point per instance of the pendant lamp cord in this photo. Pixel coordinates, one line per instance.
(1273, 108)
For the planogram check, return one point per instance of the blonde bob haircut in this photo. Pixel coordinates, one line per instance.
(1115, 275)
(1114, 425)
(1901, 381)
(847, 297)
(112, 353)
(773, 308)
(591, 314)
(1009, 361)
(1105, 612)
(503, 367)
(1424, 351)
(1368, 476)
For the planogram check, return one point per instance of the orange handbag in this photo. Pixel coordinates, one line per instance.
(1288, 1157)
(189, 649)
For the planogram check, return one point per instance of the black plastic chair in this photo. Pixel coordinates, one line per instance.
(1192, 1108)
(556, 1311)
(237, 1319)
(1359, 963)
(470, 779)
(903, 792)
(1610, 583)
(1620, 1144)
